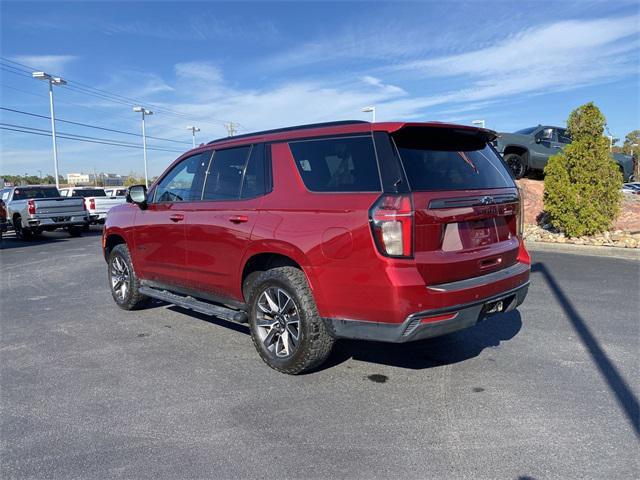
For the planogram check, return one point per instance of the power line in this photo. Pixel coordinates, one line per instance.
(116, 98)
(79, 138)
(92, 126)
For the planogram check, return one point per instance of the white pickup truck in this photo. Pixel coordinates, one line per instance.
(32, 209)
(96, 201)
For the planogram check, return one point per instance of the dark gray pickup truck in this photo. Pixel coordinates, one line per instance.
(530, 149)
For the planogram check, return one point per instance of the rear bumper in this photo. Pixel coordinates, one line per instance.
(97, 217)
(429, 323)
(56, 222)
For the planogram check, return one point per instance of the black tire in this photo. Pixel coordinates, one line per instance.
(75, 231)
(314, 342)
(21, 232)
(132, 298)
(517, 164)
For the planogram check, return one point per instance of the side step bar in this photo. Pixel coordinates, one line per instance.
(196, 305)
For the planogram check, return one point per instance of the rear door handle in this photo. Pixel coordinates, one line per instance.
(176, 217)
(238, 219)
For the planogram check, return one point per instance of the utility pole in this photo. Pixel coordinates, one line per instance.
(193, 133)
(52, 81)
(231, 128)
(144, 112)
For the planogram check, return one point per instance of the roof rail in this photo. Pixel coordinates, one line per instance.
(290, 129)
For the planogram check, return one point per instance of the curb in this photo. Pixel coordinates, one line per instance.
(590, 250)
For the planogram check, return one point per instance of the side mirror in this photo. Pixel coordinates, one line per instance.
(137, 194)
(545, 135)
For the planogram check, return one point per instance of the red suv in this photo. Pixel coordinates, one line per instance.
(380, 231)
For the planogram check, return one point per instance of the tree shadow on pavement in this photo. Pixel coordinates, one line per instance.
(434, 352)
(625, 397)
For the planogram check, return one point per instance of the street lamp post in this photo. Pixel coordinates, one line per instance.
(52, 81)
(478, 123)
(144, 112)
(372, 110)
(193, 133)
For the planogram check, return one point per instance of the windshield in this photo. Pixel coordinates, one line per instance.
(526, 131)
(450, 160)
(38, 192)
(89, 192)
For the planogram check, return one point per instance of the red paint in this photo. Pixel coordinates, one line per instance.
(205, 245)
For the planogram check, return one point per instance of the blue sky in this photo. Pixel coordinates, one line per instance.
(266, 65)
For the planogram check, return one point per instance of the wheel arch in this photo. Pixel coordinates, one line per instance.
(518, 150)
(111, 240)
(262, 256)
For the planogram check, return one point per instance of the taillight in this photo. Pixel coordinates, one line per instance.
(92, 204)
(391, 220)
(31, 207)
(520, 218)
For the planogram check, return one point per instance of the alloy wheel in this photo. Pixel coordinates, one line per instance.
(278, 322)
(120, 277)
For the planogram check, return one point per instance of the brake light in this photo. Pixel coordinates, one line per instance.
(31, 207)
(92, 204)
(391, 220)
(520, 216)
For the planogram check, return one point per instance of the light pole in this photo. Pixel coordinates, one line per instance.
(40, 175)
(478, 123)
(52, 81)
(372, 110)
(144, 112)
(193, 133)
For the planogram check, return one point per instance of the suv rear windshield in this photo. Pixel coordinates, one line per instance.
(438, 159)
(28, 193)
(342, 164)
(89, 192)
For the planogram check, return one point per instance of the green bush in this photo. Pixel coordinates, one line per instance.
(582, 183)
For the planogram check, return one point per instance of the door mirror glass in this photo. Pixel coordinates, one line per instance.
(545, 135)
(137, 194)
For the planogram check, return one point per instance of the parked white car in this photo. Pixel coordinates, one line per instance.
(96, 201)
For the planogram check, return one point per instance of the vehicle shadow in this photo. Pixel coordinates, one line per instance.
(434, 352)
(9, 240)
(624, 395)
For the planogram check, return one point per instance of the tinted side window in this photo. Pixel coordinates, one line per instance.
(563, 136)
(337, 164)
(184, 182)
(253, 184)
(225, 174)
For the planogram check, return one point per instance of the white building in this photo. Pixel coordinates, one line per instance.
(105, 179)
(81, 178)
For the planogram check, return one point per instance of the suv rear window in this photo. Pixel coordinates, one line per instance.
(345, 164)
(438, 159)
(28, 193)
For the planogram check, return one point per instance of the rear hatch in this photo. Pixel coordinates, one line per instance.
(465, 201)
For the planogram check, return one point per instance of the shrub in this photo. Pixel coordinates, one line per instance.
(582, 183)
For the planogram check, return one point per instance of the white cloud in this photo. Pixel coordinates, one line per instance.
(53, 64)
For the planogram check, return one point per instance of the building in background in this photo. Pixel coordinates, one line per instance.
(81, 178)
(103, 179)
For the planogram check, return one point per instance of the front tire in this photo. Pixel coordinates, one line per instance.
(517, 164)
(123, 280)
(286, 328)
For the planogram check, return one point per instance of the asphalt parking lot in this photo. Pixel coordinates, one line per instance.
(91, 391)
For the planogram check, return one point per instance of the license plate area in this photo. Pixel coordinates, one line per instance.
(498, 306)
(61, 219)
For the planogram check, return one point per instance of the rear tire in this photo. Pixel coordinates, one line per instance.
(75, 231)
(517, 164)
(21, 232)
(123, 281)
(286, 328)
